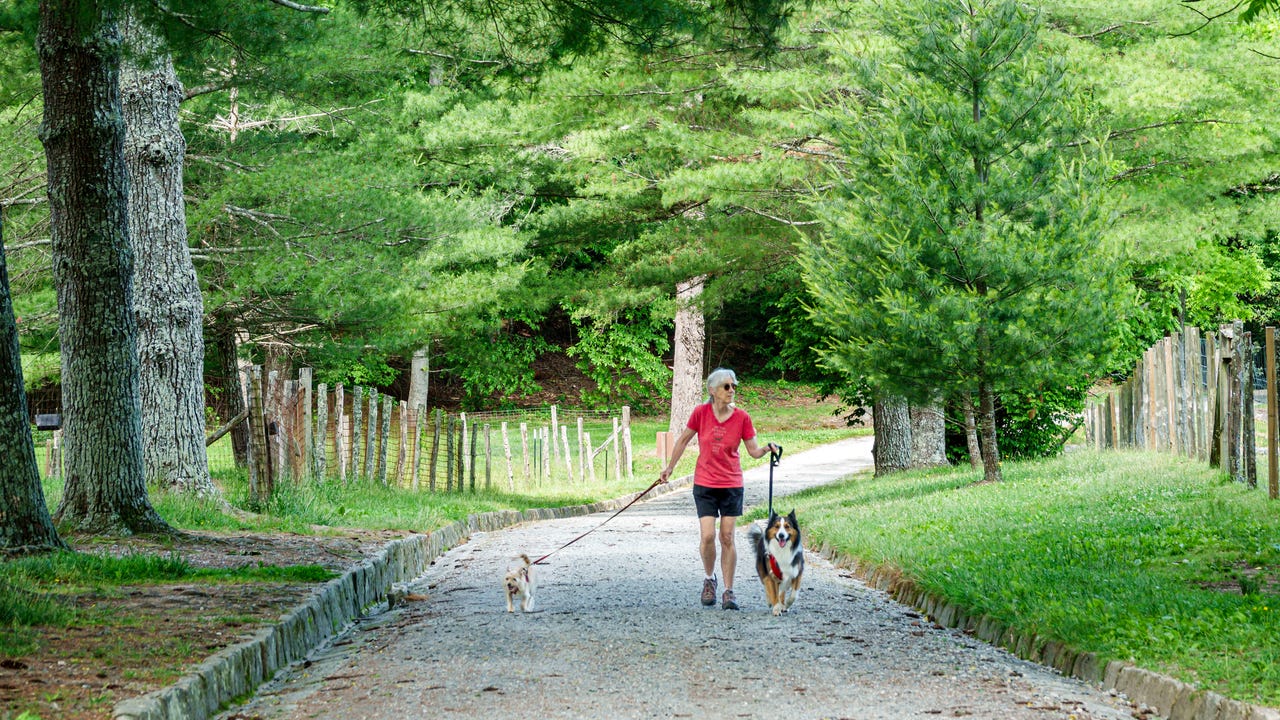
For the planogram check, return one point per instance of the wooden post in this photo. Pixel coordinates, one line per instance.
(1273, 456)
(547, 454)
(371, 437)
(402, 453)
(1248, 440)
(417, 447)
(555, 435)
(307, 392)
(663, 451)
(260, 483)
(506, 450)
(524, 448)
(435, 449)
(583, 451)
(292, 435)
(448, 457)
(488, 456)
(357, 432)
(587, 456)
(568, 461)
(384, 438)
(626, 441)
(464, 461)
(321, 459)
(472, 463)
(340, 443)
(617, 455)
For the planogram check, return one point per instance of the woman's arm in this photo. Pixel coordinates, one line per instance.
(681, 443)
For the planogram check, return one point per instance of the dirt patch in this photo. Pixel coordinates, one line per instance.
(131, 640)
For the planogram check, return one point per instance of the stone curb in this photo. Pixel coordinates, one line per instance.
(1171, 698)
(238, 670)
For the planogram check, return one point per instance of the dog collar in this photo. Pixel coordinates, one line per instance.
(773, 567)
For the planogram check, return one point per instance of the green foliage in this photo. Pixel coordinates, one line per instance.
(624, 359)
(963, 242)
(1036, 423)
(1136, 557)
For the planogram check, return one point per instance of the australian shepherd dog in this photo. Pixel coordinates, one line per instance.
(779, 559)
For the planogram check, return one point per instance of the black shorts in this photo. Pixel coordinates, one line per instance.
(717, 502)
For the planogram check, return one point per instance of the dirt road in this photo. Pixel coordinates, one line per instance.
(619, 633)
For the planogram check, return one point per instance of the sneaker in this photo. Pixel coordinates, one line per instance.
(709, 591)
(727, 601)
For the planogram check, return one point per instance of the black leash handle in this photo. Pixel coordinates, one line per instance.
(774, 457)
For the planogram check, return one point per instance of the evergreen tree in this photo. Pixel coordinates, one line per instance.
(962, 248)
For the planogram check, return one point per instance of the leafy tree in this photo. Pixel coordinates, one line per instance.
(25, 525)
(962, 250)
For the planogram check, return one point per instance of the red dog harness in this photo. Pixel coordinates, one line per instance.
(773, 567)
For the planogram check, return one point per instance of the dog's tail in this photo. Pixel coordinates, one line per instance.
(756, 537)
(525, 558)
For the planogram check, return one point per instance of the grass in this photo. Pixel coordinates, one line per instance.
(1141, 557)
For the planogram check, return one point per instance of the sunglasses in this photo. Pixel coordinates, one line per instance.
(731, 386)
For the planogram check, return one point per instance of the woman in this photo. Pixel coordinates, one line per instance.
(717, 478)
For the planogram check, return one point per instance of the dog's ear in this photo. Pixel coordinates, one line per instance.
(791, 518)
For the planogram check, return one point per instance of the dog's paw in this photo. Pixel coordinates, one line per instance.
(778, 610)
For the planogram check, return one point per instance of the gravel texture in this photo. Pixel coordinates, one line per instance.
(618, 632)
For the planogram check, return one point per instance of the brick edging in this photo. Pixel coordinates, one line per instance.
(1172, 698)
(238, 670)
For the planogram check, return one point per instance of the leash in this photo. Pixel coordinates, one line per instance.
(634, 500)
(773, 462)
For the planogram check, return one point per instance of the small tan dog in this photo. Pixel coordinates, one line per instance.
(520, 584)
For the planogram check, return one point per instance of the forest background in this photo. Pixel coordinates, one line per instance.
(367, 187)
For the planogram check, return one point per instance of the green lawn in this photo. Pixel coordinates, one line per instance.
(1141, 557)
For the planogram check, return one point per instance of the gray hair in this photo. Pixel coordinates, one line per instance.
(720, 376)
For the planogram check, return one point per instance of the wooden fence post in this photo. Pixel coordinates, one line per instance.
(626, 441)
(435, 449)
(1248, 440)
(464, 462)
(417, 447)
(524, 448)
(1273, 456)
(339, 430)
(617, 455)
(488, 456)
(320, 457)
(357, 432)
(506, 451)
(384, 438)
(547, 444)
(260, 482)
(472, 464)
(307, 392)
(402, 453)
(568, 458)
(371, 437)
(448, 460)
(555, 435)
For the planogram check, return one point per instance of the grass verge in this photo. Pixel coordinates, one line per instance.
(1142, 557)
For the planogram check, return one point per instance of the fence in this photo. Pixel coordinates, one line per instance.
(1196, 394)
(299, 431)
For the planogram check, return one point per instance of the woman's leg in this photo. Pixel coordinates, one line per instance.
(728, 550)
(707, 543)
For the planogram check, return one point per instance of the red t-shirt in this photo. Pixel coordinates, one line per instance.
(719, 465)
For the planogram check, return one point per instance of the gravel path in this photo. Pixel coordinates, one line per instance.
(619, 633)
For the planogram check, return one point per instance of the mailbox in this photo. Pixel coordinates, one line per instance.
(49, 422)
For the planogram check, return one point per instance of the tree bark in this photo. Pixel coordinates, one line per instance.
(25, 525)
(166, 297)
(419, 377)
(928, 435)
(83, 136)
(690, 337)
(891, 421)
(971, 431)
(987, 436)
(232, 387)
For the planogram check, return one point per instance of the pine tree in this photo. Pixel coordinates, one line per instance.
(962, 247)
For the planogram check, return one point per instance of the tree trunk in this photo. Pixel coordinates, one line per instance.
(232, 386)
(891, 450)
(166, 293)
(987, 423)
(419, 377)
(690, 336)
(928, 435)
(971, 431)
(25, 525)
(83, 136)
